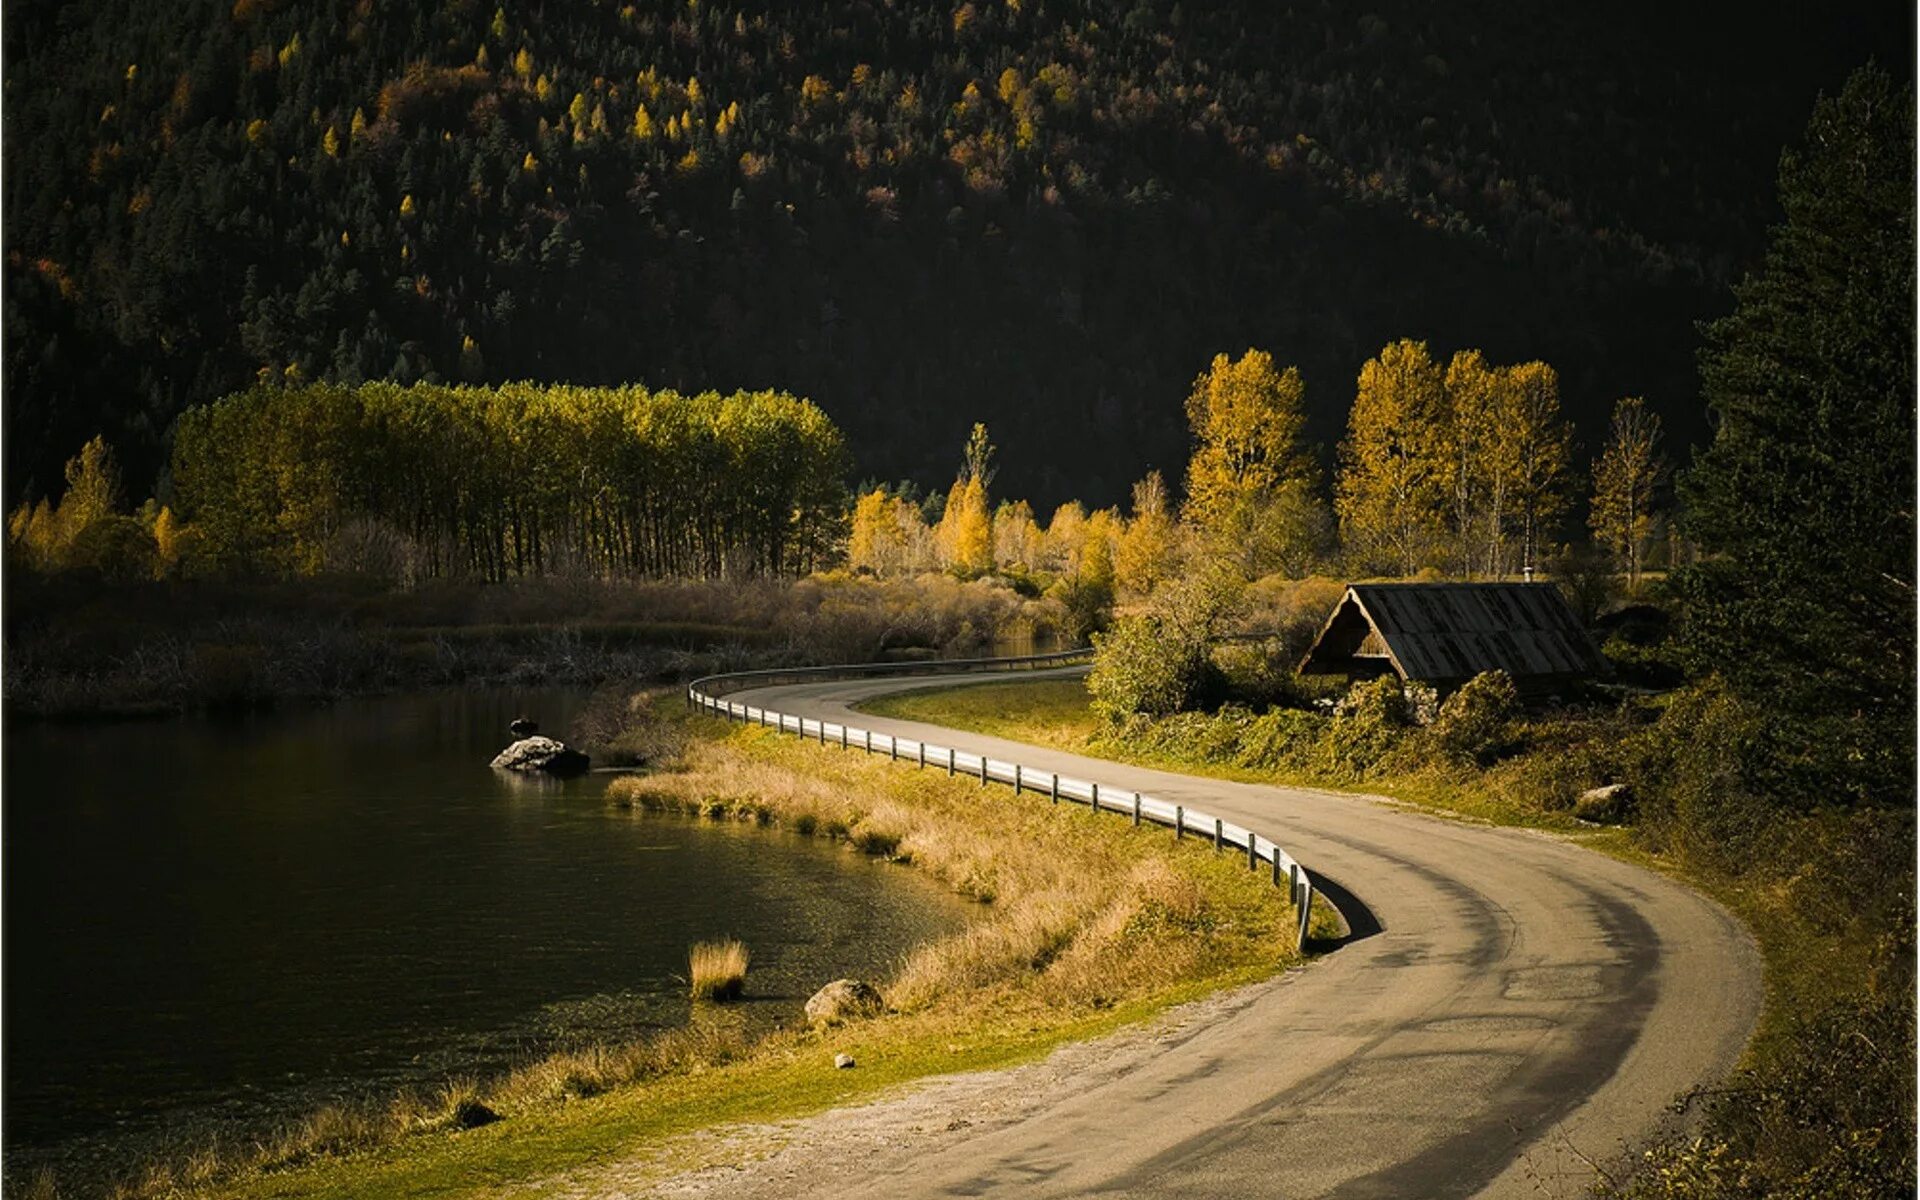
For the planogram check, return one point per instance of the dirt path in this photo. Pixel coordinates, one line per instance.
(1511, 1018)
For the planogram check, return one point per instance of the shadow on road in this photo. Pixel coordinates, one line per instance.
(1356, 916)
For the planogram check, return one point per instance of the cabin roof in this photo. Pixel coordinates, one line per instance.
(1450, 632)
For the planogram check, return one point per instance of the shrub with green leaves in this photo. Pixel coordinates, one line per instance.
(1368, 725)
(1473, 725)
(1148, 665)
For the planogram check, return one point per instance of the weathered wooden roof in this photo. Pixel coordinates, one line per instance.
(1454, 631)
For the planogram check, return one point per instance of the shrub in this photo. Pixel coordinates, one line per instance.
(1368, 725)
(1473, 723)
(116, 548)
(719, 969)
(1149, 665)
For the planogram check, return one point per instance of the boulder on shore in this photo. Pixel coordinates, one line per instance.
(541, 754)
(844, 1000)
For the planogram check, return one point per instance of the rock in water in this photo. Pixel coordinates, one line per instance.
(843, 1000)
(523, 727)
(541, 754)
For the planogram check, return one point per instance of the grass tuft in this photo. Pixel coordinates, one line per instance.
(719, 970)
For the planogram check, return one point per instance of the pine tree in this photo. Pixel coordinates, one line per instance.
(1804, 501)
(1624, 483)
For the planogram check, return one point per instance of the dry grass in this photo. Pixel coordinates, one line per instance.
(1083, 912)
(718, 970)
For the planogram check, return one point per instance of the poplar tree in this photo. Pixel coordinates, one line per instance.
(1393, 489)
(1252, 485)
(1532, 449)
(1625, 479)
(1144, 557)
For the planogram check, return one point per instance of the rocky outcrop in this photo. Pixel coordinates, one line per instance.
(542, 754)
(844, 1000)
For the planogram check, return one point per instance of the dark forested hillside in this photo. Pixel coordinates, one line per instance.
(1047, 214)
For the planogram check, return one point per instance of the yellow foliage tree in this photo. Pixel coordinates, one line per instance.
(1532, 451)
(1252, 486)
(1392, 493)
(876, 541)
(1017, 540)
(1478, 397)
(965, 535)
(1625, 481)
(1144, 556)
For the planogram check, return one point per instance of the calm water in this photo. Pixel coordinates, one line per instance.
(211, 924)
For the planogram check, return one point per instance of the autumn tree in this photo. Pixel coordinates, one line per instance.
(1532, 447)
(1018, 543)
(965, 535)
(1392, 494)
(1624, 483)
(1252, 486)
(876, 542)
(1477, 398)
(1144, 556)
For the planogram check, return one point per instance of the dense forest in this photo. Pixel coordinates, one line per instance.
(1045, 214)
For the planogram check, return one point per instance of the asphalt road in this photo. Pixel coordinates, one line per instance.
(1510, 1016)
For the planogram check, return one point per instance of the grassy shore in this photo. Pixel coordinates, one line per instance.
(1085, 924)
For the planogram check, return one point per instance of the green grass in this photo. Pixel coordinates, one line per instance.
(1055, 713)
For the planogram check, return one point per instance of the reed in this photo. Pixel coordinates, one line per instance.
(718, 970)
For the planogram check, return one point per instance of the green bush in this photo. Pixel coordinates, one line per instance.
(1368, 726)
(1149, 666)
(116, 548)
(1473, 725)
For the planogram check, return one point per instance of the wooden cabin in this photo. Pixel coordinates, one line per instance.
(1443, 634)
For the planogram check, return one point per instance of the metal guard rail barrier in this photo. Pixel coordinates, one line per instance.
(705, 695)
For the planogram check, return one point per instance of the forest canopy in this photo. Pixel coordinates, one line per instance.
(1041, 215)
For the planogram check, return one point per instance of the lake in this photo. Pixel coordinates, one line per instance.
(214, 924)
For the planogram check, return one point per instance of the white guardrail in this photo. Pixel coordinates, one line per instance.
(707, 695)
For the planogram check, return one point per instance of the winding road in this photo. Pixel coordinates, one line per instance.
(1511, 1015)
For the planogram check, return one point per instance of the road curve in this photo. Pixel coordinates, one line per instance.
(1512, 1015)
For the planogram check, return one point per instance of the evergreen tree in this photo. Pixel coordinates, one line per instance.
(1804, 500)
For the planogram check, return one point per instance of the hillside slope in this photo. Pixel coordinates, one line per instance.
(1046, 214)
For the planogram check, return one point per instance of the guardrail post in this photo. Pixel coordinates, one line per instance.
(983, 770)
(1306, 915)
(893, 748)
(1179, 821)
(1219, 828)
(922, 751)
(1276, 866)
(843, 735)
(1096, 797)
(1053, 788)
(1016, 779)
(869, 736)
(1136, 810)
(1253, 860)
(949, 762)
(1293, 880)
